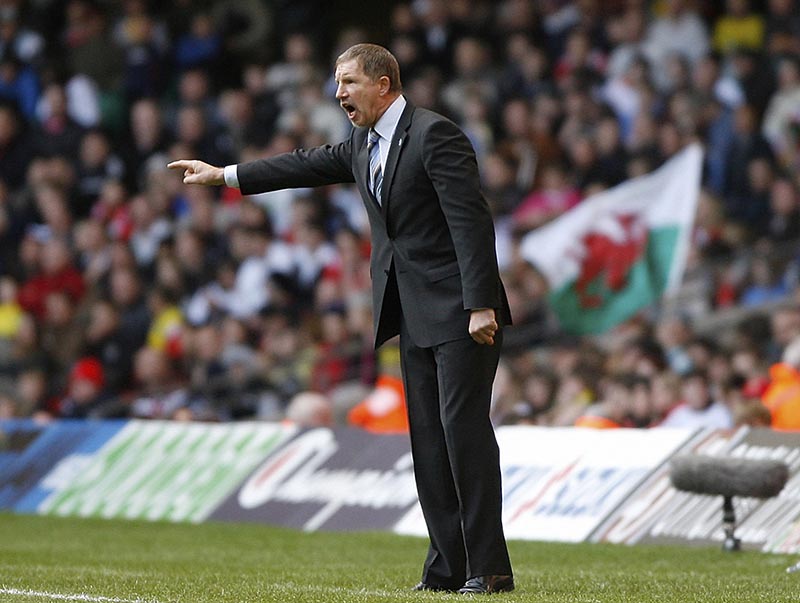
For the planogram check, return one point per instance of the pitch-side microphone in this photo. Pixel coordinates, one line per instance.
(729, 477)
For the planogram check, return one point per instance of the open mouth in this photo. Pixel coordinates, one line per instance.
(349, 109)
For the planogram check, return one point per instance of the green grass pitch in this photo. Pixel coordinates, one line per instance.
(52, 559)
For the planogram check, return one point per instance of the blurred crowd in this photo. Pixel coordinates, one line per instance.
(124, 293)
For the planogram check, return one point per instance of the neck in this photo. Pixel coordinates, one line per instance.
(388, 103)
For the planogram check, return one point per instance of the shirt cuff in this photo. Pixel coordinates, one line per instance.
(231, 176)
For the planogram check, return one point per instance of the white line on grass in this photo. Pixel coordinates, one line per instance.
(62, 597)
(288, 587)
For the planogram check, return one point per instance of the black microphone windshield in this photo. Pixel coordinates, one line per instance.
(729, 476)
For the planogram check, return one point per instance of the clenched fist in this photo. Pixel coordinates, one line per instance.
(483, 326)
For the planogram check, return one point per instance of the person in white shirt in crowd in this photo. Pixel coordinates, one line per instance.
(698, 407)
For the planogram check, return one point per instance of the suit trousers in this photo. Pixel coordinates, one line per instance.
(456, 458)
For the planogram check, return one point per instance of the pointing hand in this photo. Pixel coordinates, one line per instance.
(199, 172)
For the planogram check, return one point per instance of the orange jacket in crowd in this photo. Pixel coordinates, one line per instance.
(384, 409)
(782, 397)
(596, 422)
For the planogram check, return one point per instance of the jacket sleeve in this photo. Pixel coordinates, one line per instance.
(328, 164)
(451, 165)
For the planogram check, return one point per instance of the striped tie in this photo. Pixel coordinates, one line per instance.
(375, 171)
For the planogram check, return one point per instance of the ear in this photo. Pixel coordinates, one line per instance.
(385, 84)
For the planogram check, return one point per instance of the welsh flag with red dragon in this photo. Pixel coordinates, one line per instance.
(620, 250)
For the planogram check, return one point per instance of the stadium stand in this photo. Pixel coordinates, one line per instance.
(124, 293)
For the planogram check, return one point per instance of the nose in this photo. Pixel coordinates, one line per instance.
(340, 92)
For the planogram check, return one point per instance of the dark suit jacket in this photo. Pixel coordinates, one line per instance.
(432, 231)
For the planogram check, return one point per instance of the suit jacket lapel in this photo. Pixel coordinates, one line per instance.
(398, 143)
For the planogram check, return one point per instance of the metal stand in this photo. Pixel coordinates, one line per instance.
(729, 526)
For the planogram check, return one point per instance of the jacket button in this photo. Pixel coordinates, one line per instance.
(386, 272)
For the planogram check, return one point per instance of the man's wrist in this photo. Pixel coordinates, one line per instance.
(231, 176)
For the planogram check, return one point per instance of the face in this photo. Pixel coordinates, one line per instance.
(362, 99)
(695, 393)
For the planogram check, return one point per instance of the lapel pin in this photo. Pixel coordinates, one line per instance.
(400, 142)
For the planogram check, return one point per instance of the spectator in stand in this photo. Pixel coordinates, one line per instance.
(246, 29)
(782, 396)
(11, 313)
(288, 362)
(525, 73)
(150, 229)
(56, 273)
(337, 353)
(739, 27)
(19, 83)
(86, 396)
(384, 409)
(194, 130)
(58, 134)
(579, 57)
(97, 163)
(614, 408)
(673, 334)
(88, 47)
(127, 296)
(698, 407)
(148, 136)
(473, 76)
(160, 394)
(8, 231)
(310, 409)
(144, 44)
(285, 78)
(31, 392)
(679, 30)
(260, 258)
(22, 350)
(51, 203)
(625, 32)
(15, 148)
(313, 253)
(747, 145)
(25, 43)
(201, 46)
(611, 155)
(102, 341)
(166, 328)
(665, 394)
(784, 328)
(783, 27)
(577, 391)
(61, 337)
(764, 283)
(92, 249)
(781, 117)
(554, 196)
(113, 212)
(784, 202)
(538, 399)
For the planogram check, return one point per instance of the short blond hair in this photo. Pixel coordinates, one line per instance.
(376, 61)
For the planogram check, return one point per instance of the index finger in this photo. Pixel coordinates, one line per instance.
(180, 164)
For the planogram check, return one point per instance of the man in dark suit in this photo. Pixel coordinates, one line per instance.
(436, 283)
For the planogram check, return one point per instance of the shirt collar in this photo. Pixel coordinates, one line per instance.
(387, 123)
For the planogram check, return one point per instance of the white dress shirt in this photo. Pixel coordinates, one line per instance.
(386, 126)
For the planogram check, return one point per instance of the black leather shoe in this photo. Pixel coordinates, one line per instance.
(486, 585)
(433, 587)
